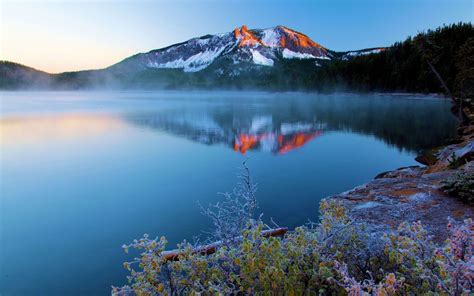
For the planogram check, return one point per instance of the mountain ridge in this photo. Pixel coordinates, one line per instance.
(260, 46)
(299, 46)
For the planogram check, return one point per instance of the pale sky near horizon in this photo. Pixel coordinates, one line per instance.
(57, 36)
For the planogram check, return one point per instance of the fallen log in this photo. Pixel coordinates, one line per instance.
(173, 255)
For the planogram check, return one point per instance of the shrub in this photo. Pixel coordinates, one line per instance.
(232, 215)
(320, 260)
(301, 262)
(335, 256)
(461, 185)
(454, 161)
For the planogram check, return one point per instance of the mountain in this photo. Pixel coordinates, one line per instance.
(14, 76)
(276, 58)
(230, 56)
(259, 47)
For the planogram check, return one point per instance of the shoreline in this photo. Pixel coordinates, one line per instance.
(414, 193)
(199, 90)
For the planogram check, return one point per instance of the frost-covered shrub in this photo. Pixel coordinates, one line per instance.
(390, 285)
(455, 273)
(301, 262)
(312, 260)
(416, 266)
(461, 185)
(335, 256)
(236, 211)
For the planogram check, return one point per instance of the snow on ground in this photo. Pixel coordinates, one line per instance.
(201, 41)
(360, 53)
(271, 37)
(194, 63)
(323, 57)
(288, 54)
(259, 59)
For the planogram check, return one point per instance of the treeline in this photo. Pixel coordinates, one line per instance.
(404, 66)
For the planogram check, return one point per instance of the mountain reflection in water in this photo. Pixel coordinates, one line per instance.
(274, 142)
(281, 127)
(242, 134)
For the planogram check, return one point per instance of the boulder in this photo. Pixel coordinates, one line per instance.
(407, 194)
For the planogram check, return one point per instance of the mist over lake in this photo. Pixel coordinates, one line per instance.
(84, 172)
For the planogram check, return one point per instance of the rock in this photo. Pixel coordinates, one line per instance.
(425, 159)
(463, 152)
(405, 172)
(407, 194)
(428, 157)
(466, 152)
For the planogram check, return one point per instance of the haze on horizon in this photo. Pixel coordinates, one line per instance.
(58, 36)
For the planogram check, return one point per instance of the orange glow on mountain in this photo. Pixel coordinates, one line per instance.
(237, 33)
(247, 37)
(289, 38)
(296, 141)
(298, 39)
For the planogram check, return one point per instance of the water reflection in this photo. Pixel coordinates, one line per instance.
(276, 143)
(33, 130)
(282, 126)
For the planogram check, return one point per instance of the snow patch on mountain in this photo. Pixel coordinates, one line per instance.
(271, 37)
(194, 63)
(202, 41)
(288, 54)
(259, 59)
(358, 53)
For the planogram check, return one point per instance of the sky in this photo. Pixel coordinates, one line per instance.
(57, 36)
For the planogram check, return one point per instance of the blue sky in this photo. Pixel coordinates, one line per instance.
(71, 35)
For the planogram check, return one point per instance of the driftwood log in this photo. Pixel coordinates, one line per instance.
(211, 248)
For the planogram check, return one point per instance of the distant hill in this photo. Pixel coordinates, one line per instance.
(276, 58)
(14, 76)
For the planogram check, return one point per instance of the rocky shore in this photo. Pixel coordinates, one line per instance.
(416, 193)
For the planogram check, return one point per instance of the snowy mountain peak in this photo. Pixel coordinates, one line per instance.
(275, 37)
(296, 39)
(246, 38)
(255, 46)
(293, 43)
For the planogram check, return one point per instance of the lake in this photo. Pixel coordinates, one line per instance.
(82, 173)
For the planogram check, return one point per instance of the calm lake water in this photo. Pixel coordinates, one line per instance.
(83, 173)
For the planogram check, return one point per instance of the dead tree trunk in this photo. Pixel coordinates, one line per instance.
(457, 103)
(430, 55)
(443, 84)
(211, 248)
(429, 52)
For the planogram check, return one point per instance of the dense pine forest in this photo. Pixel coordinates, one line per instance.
(404, 66)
